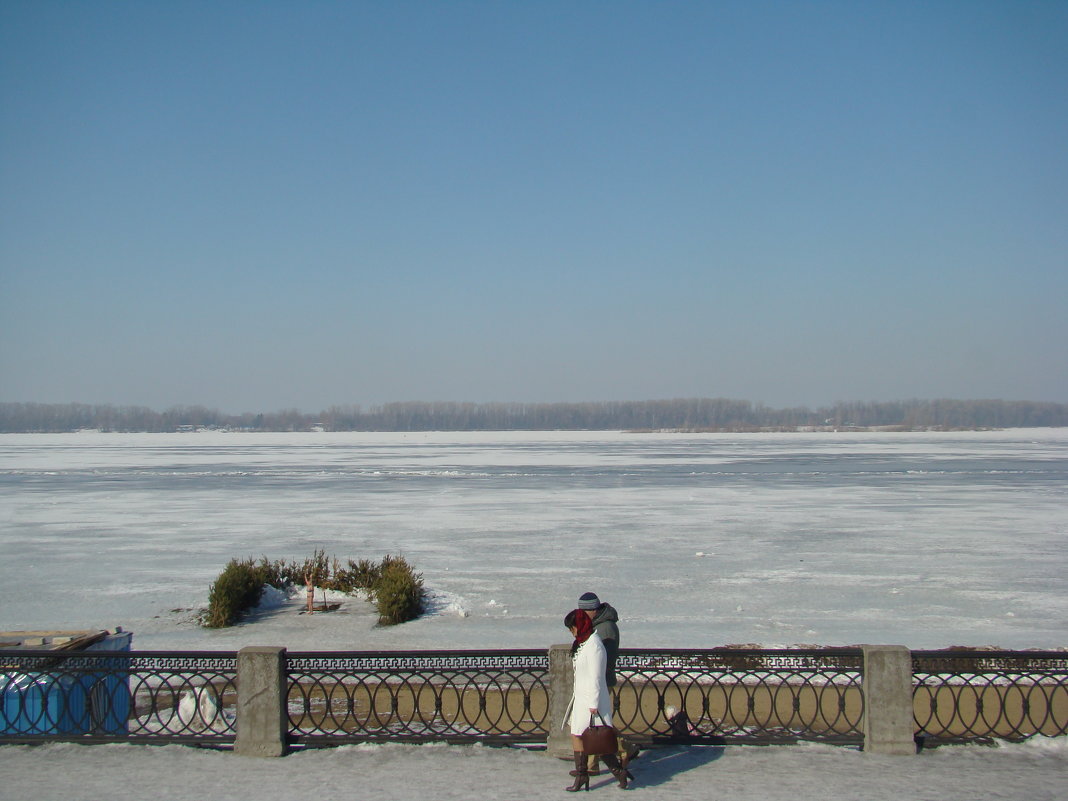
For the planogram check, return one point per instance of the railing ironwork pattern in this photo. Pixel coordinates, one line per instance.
(106, 696)
(740, 695)
(457, 696)
(718, 695)
(983, 695)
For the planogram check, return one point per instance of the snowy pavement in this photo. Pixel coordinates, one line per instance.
(1033, 771)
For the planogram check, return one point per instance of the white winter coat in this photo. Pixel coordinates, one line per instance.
(591, 690)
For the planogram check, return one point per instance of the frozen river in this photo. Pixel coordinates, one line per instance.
(699, 540)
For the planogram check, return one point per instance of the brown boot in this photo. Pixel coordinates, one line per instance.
(621, 773)
(582, 776)
(592, 767)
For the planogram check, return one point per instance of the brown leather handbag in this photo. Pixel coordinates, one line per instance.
(599, 740)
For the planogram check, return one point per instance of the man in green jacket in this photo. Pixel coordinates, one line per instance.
(605, 621)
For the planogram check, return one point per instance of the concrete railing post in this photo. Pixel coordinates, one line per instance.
(888, 723)
(561, 683)
(262, 722)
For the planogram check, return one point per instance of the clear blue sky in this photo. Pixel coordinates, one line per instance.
(259, 205)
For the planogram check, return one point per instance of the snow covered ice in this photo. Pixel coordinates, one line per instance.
(923, 539)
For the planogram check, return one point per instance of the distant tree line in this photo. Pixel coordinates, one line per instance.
(698, 414)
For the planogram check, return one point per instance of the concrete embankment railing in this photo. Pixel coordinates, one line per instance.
(264, 701)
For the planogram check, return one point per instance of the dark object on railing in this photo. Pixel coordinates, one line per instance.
(682, 731)
(962, 695)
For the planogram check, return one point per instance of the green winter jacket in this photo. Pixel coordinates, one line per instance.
(605, 621)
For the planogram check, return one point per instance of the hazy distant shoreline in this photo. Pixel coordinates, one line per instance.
(695, 415)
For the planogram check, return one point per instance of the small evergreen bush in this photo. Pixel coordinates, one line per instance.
(278, 573)
(237, 590)
(316, 570)
(362, 575)
(398, 593)
(393, 586)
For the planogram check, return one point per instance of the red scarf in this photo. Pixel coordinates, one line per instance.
(583, 628)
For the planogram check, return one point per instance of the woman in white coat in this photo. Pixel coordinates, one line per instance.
(590, 696)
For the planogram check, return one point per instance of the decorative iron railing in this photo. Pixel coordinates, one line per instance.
(736, 695)
(503, 696)
(718, 695)
(458, 696)
(983, 695)
(87, 696)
